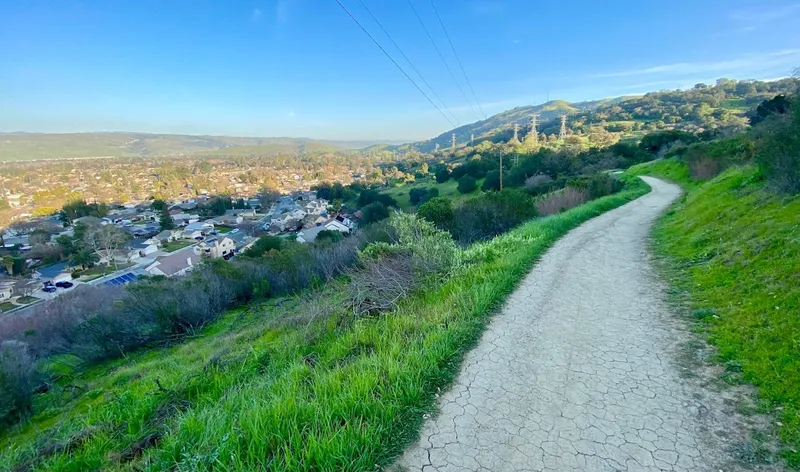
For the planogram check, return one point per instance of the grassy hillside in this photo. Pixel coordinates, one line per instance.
(448, 189)
(733, 248)
(254, 391)
(33, 146)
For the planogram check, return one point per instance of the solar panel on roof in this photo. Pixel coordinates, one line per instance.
(122, 279)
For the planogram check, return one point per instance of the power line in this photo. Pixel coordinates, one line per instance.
(411, 4)
(395, 63)
(409, 62)
(447, 35)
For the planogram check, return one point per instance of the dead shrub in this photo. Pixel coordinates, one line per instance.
(16, 382)
(565, 199)
(537, 182)
(381, 284)
(705, 168)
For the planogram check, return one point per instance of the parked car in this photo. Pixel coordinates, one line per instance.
(64, 284)
(49, 289)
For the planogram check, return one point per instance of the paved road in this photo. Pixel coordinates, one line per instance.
(577, 371)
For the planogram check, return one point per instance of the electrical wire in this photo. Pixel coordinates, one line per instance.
(441, 23)
(394, 62)
(422, 77)
(441, 56)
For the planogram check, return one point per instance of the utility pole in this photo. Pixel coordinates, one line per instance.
(453, 147)
(501, 171)
(563, 132)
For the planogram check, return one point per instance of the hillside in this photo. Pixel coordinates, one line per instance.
(703, 107)
(498, 126)
(731, 250)
(36, 146)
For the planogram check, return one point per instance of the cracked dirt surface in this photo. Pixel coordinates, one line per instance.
(578, 370)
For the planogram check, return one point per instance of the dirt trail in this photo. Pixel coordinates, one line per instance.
(579, 371)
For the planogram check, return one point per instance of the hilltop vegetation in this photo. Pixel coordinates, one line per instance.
(716, 107)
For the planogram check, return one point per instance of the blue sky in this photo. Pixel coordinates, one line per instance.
(303, 67)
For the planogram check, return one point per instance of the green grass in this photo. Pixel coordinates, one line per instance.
(733, 248)
(447, 189)
(173, 246)
(223, 229)
(248, 394)
(101, 270)
(27, 300)
(7, 306)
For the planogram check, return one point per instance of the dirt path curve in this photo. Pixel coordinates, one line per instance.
(577, 371)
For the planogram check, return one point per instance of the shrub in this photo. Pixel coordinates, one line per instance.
(264, 245)
(778, 151)
(467, 184)
(438, 211)
(328, 236)
(653, 142)
(432, 193)
(562, 200)
(416, 194)
(433, 251)
(597, 185)
(489, 214)
(16, 382)
(538, 182)
(369, 196)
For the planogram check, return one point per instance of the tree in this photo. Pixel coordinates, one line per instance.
(492, 181)
(442, 174)
(438, 211)
(67, 245)
(775, 106)
(416, 195)
(159, 205)
(467, 184)
(83, 258)
(105, 241)
(8, 263)
(166, 220)
(373, 212)
(39, 237)
(264, 245)
(423, 168)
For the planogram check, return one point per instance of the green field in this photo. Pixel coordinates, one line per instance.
(732, 249)
(448, 189)
(254, 391)
(173, 246)
(7, 306)
(27, 300)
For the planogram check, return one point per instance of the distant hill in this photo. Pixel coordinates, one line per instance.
(37, 146)
(501, 123)
(703, 107)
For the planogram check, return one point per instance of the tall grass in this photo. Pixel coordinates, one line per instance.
(251, 393)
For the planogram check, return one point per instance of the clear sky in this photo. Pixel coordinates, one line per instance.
(303, 67)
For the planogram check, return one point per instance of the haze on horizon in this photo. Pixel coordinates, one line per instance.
(302, 68)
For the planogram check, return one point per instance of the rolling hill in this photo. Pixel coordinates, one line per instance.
(38, 146)
(499, 125)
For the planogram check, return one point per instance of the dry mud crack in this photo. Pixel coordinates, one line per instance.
(579, 370)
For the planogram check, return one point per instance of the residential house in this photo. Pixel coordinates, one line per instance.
(243, 212)
(198, 229)
(310, 235)
(177, 263)
(6, 290)
(184, 219)
(142, 248)
(316, 207)
(241, 240)
(166, 236)
(228, 220)
(222, 246)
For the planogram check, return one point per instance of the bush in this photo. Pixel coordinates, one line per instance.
(598, 185)
(380, 284)
(562, 200)
(778, 151)
(369, 196)
(264, 245)
(438, 211)
(16, 382)
(328, 236)
(489, 214)
(467, 184)
(422, 194)
(653, 142)
(538, 182)
(433, 252)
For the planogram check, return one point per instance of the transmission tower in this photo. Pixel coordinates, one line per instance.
(534, 133)
(453, 146)
(471, 139)
(563, 132)
(516, 132)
